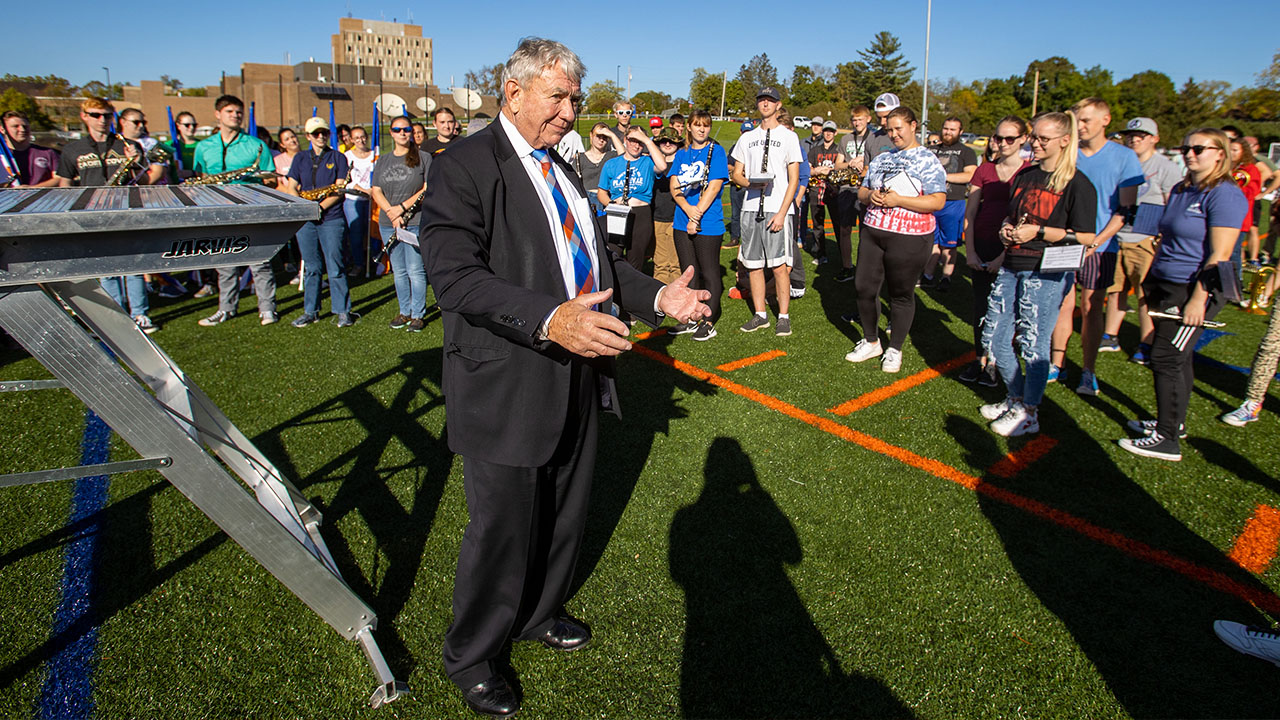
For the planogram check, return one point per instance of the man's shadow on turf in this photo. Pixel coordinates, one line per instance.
(1146, 628)
(751, 650)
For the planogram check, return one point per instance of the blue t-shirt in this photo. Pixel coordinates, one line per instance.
(689, 167)
(329, 167)
(642, 172)
(1184, 227)
(1111, 168)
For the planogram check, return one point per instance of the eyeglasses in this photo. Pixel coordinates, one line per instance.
(1005, 139)
(1196, 149)
(98, 115)
(1045, 140)
(402, 129)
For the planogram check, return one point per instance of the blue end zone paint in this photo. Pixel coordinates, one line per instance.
(68, 686)
(1207, 336)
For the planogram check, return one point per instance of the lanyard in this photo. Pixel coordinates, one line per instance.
(226, 145)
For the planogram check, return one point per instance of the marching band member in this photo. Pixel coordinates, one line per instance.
(698, 174)
(399, 179)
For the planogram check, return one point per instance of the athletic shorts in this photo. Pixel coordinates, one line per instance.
(1097, 271)
(1132, 263)
(950, 224)
(761, 248)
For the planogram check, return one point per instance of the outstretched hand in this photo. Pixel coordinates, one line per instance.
(586, 332)
(682, 302)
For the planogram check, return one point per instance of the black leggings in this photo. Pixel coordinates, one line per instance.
(896, 260)
(703, 253)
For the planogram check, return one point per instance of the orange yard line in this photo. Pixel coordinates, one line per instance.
(1256, 546)
(1016, 462)
(1260, 597)
(651, 333)
(906, 383)
(744, 362)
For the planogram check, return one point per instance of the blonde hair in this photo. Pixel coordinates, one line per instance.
(1223, 169)
(96, 103)
(1066, 167)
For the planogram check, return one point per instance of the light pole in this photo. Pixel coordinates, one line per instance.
(108, 93)
(924, 112)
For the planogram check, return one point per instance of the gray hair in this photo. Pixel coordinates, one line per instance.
(535, 54)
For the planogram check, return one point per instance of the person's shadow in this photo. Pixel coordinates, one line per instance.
(750, 648)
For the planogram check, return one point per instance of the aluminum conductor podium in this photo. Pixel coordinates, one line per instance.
(54, 244)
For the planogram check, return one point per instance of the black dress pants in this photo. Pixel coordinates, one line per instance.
(1172, 351)
(516, 562)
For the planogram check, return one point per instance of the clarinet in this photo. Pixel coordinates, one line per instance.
(764, 168)
(626, 184)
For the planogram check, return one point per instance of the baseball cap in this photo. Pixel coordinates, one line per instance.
(669, 134)
(748, 126)
(769, 92)
(655, 122)
(1142, 124)
(888, 101)
(829, 125)
(817, 120)
(314, 124)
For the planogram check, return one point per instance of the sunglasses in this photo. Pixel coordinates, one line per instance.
(622, 112)
(1196, 149)
(319, 133)
(98, 115)
(403, 129)
(1006, 139)
(137, 122)
(187, 125)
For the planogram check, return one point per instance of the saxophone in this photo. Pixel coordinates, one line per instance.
(324, 192)
(117, 177)
(230, 176)
(1257, 297)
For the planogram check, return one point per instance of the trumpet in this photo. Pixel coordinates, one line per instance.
(848, 176)
(1258, 297)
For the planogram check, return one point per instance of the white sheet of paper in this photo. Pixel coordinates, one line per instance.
(616, 218)
(1061, 258)
(903, 185)
(405, 236)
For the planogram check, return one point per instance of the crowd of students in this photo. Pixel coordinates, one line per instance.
(1054, 207)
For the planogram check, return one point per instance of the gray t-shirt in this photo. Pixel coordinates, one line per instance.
(399, 182)
(1161, 175)
(854, 146)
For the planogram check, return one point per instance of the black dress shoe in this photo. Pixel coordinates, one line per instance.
(566, 635)
(492, 697)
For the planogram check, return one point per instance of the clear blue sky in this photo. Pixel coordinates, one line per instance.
(143, 39)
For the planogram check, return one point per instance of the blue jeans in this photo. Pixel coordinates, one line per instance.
(313, 240)
(132, 286)
(409, 274)
(357, 213)
(1024, 306)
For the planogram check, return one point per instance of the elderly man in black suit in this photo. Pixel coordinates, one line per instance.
(531, 297)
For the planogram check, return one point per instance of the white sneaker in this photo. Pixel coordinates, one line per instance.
(864, 350)
(995, 410)
(892, 361)
(1258, 642)
(1243, 415)
(1015, 421)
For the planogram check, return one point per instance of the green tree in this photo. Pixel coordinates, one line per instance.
(807, 88)
(601, 96)
(1061, 85)
(1270, 77)
(1255, 103)
(100, 89)
(1147, 94)
(881, 67)
(846, 85)
(172, 84)
(40, 85)
(758, 73)
(996, 100)
(651, 101)
(486, 81)
(704, 90)
(12, 99)
(736, 101)
(1194, 106)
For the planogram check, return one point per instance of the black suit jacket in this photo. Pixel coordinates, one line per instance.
(491, 259)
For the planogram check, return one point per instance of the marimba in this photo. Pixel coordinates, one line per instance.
(54, 244)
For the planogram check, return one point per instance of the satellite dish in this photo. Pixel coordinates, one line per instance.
(467, 99)
(390, 104)
(425, 104)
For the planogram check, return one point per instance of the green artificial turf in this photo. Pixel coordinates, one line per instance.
(738, 561)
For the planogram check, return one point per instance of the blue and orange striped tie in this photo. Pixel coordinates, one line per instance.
(582, 278)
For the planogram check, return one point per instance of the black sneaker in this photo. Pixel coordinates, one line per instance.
(1154, 445)
(705, 331)
(845, 275)
(1109, 344)
(927, 282)
(989, 376)
(683, 328)
(944, 284)
(852, 318)
(971, 372)
(1146, 427)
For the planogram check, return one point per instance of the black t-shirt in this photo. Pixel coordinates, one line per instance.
(955, 158)
(1072, 209)
(664, 206)
(822, 156)
(87, 163)
(433, 146)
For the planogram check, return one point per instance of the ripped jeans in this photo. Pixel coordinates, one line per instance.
(1023, 308)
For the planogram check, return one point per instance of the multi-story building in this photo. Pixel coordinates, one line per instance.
(398, 49)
